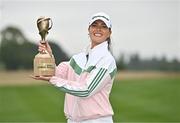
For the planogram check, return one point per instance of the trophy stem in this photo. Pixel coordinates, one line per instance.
(43, 36)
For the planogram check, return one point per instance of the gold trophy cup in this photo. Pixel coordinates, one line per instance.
(44, 63)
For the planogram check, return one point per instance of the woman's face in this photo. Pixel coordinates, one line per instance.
(98, 32)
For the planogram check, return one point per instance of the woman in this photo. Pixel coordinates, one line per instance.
(88, 77)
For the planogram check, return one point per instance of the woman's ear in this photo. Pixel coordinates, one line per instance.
(110, 31)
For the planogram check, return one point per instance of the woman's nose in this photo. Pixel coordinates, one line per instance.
(98, 27)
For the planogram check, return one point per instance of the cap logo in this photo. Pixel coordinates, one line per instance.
(100, 16)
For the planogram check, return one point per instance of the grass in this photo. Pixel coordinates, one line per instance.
(142, 100)
(133, 100)
(31, 103)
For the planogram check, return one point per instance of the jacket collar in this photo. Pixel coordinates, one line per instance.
(96, 53)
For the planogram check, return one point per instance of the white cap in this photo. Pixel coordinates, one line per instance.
(101, 16)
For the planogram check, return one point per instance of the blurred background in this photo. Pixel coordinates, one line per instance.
(145, 44)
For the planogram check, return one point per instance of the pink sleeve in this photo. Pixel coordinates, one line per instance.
(62, 70)
(92, 83)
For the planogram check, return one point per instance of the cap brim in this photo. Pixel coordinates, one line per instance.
(102, 19)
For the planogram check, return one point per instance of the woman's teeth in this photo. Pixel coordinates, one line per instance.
(98, 34)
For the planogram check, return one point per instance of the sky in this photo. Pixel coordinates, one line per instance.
(150, 28)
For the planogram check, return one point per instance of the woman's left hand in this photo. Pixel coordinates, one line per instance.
(45, 78)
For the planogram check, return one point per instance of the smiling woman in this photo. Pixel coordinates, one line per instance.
(99, 32)
(99, 29)
(88, 77)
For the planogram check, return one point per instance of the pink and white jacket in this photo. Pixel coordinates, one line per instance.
(87, 83)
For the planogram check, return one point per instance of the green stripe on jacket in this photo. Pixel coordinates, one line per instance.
(91, 87)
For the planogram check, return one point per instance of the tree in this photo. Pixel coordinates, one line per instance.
(120, 62)
(16, 52)
(134, 62)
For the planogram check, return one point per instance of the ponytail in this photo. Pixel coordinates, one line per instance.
(109, 41)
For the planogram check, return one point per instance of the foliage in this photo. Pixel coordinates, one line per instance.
(120, 62)
(136, 63)
(17, 52)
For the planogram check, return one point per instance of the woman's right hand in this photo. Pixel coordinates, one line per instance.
(45, 78)
(42, 47)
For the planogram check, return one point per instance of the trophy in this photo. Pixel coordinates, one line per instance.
(44, 63)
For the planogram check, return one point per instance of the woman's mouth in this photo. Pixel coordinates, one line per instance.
(97, 34)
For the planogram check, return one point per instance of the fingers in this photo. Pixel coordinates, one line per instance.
(47, 45)
(34, 77)
(40, 77)
(43, 78)
(44, 47)
(41, 47)
(44, 43)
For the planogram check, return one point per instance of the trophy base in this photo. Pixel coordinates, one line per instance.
(44, 65)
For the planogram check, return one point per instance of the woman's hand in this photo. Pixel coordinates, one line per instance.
(44, 47)
(45, 78)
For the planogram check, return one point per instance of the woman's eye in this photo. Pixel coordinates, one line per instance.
(99, 26)
(104, 26)
(93, 25)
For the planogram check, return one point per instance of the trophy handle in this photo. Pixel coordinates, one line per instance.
(51, 23)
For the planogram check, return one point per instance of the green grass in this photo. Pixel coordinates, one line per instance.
(31, 103)
(153, 100)
(143, 100)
